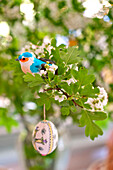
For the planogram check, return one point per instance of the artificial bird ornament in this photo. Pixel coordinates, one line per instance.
(29, 63)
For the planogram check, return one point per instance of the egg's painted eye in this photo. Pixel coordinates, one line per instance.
(40, 148)
(24, 59)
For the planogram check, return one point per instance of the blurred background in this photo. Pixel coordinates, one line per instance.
(87, 24)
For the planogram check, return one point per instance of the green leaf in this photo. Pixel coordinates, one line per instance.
(103, 124)
(50, 75)
(77, 6)
(59, 61)
(7, 121)
(65, 111)
(44, 99)
(83, 77)
(73, 108)
(75, 87)
(57, 79)
(33, 80)
(89, 91)
(61, 68)
(91, 129)
(56, 56)
(66, 87)
(97, 115)
(53, 42)
(72, 55)
(61, 4)
(64, 103)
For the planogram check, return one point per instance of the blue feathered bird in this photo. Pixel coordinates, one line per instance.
(29, 63)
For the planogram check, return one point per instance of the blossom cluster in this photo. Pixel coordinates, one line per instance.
(52, 68)
(71, 80)
(97, 104)
(39, 49)
(96, 8)
(46, 44)
(60, 97)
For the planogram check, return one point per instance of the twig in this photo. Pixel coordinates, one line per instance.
(76, 104)
(59, 89)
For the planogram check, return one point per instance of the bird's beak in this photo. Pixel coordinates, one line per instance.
(17, 59)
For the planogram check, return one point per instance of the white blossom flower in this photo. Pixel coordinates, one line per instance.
(76, 68)
(30, 106)
(97, 104)
(52, 68)
(46, 44)
(71, 80)
(39, 51)
(47, 86)
(96, 8)
(103, 96)
(42, 72)
(4, 102)
(41, 90)
(70, 66)
(60, 98)
(102, 43)
(27, 47)
(46, 40)
(49, 48)
(34, 46)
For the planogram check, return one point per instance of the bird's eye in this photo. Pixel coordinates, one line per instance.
(24, 59)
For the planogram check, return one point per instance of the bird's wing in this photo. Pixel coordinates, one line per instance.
(35, 68)
(45, 60)
(37, 65)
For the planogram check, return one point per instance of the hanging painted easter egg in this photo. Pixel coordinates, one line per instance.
(45, 137)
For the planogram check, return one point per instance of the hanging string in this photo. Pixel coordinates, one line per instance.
(44, 113)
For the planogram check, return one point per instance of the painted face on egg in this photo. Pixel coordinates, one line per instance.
(45, 137)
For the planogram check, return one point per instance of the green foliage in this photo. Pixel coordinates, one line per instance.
(6, 120)
(44, 99)
(87, 119)
(89, 91)
(65, 111)
(77, 6)
(71, 56)
(83, 77)
(61, 4)
(73, 94)
(33, 80)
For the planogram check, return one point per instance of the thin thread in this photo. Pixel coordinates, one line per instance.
(44, 113)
